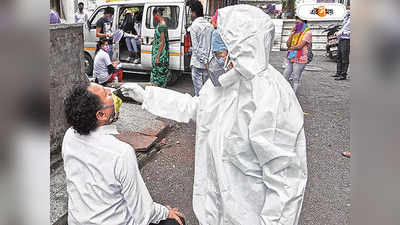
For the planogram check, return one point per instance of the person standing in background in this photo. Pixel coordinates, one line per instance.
(160, 51)
(298, 45)
(104, 28)
(197, 29)
(81, 16)
(343, 57)
(54, 17)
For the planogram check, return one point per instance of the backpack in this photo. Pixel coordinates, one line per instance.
(310, 54)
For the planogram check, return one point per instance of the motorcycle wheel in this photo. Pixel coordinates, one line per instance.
(331, 56)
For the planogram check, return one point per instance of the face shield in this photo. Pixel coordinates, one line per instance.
(218, 64)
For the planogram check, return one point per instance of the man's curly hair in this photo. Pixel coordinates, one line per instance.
(80, 109)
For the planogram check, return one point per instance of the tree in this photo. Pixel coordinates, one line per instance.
(291, 7)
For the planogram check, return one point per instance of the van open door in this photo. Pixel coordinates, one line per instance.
(187, 41)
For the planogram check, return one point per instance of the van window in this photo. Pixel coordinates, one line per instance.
(135, 9)
(188, 16)
(96, 17)
(170, 14)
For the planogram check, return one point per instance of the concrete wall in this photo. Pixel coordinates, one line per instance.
(66, 62)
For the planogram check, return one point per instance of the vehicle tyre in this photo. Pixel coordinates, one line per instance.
(331, 56)
(173, 77)
(88, 65)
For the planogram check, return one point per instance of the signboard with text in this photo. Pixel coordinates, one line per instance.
(321, 11)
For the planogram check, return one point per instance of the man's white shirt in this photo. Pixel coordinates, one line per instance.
(104, 183)
(196, 30)
(81, 17)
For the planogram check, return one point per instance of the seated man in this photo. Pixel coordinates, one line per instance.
(103, 179)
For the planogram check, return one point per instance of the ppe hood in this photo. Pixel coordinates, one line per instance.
(248, 32)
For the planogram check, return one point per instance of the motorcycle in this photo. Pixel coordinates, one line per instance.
(332, 40)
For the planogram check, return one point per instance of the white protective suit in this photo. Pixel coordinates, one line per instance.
(250, 154)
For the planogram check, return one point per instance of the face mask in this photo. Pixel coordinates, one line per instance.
(299, 27)
(156, 19)
(221, 61)
(112, 114)
(80, 9)
(110, 19)
(106, 48)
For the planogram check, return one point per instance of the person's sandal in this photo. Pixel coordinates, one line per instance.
(346, 154)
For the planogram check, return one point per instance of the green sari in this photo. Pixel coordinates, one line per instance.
(159, 73)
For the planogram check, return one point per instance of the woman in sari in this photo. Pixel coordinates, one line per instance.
(160, 51)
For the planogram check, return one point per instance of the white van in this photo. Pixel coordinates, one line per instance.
(178, 19)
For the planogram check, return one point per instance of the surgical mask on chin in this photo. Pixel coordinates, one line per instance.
(112, 114)
(111, 117)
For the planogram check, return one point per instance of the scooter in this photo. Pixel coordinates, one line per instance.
(332, 40)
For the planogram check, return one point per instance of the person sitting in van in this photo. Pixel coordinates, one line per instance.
(138, 28)
(104, 28)
(131, 36)
(104, 70)
(160, 51)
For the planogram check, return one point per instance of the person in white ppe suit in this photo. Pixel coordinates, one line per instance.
(250, 152)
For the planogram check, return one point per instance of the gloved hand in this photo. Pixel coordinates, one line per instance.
(133, 90)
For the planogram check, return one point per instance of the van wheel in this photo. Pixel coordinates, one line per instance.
(173, 77)
(88, 65)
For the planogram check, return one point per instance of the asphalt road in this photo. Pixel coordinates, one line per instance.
(326, 103)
